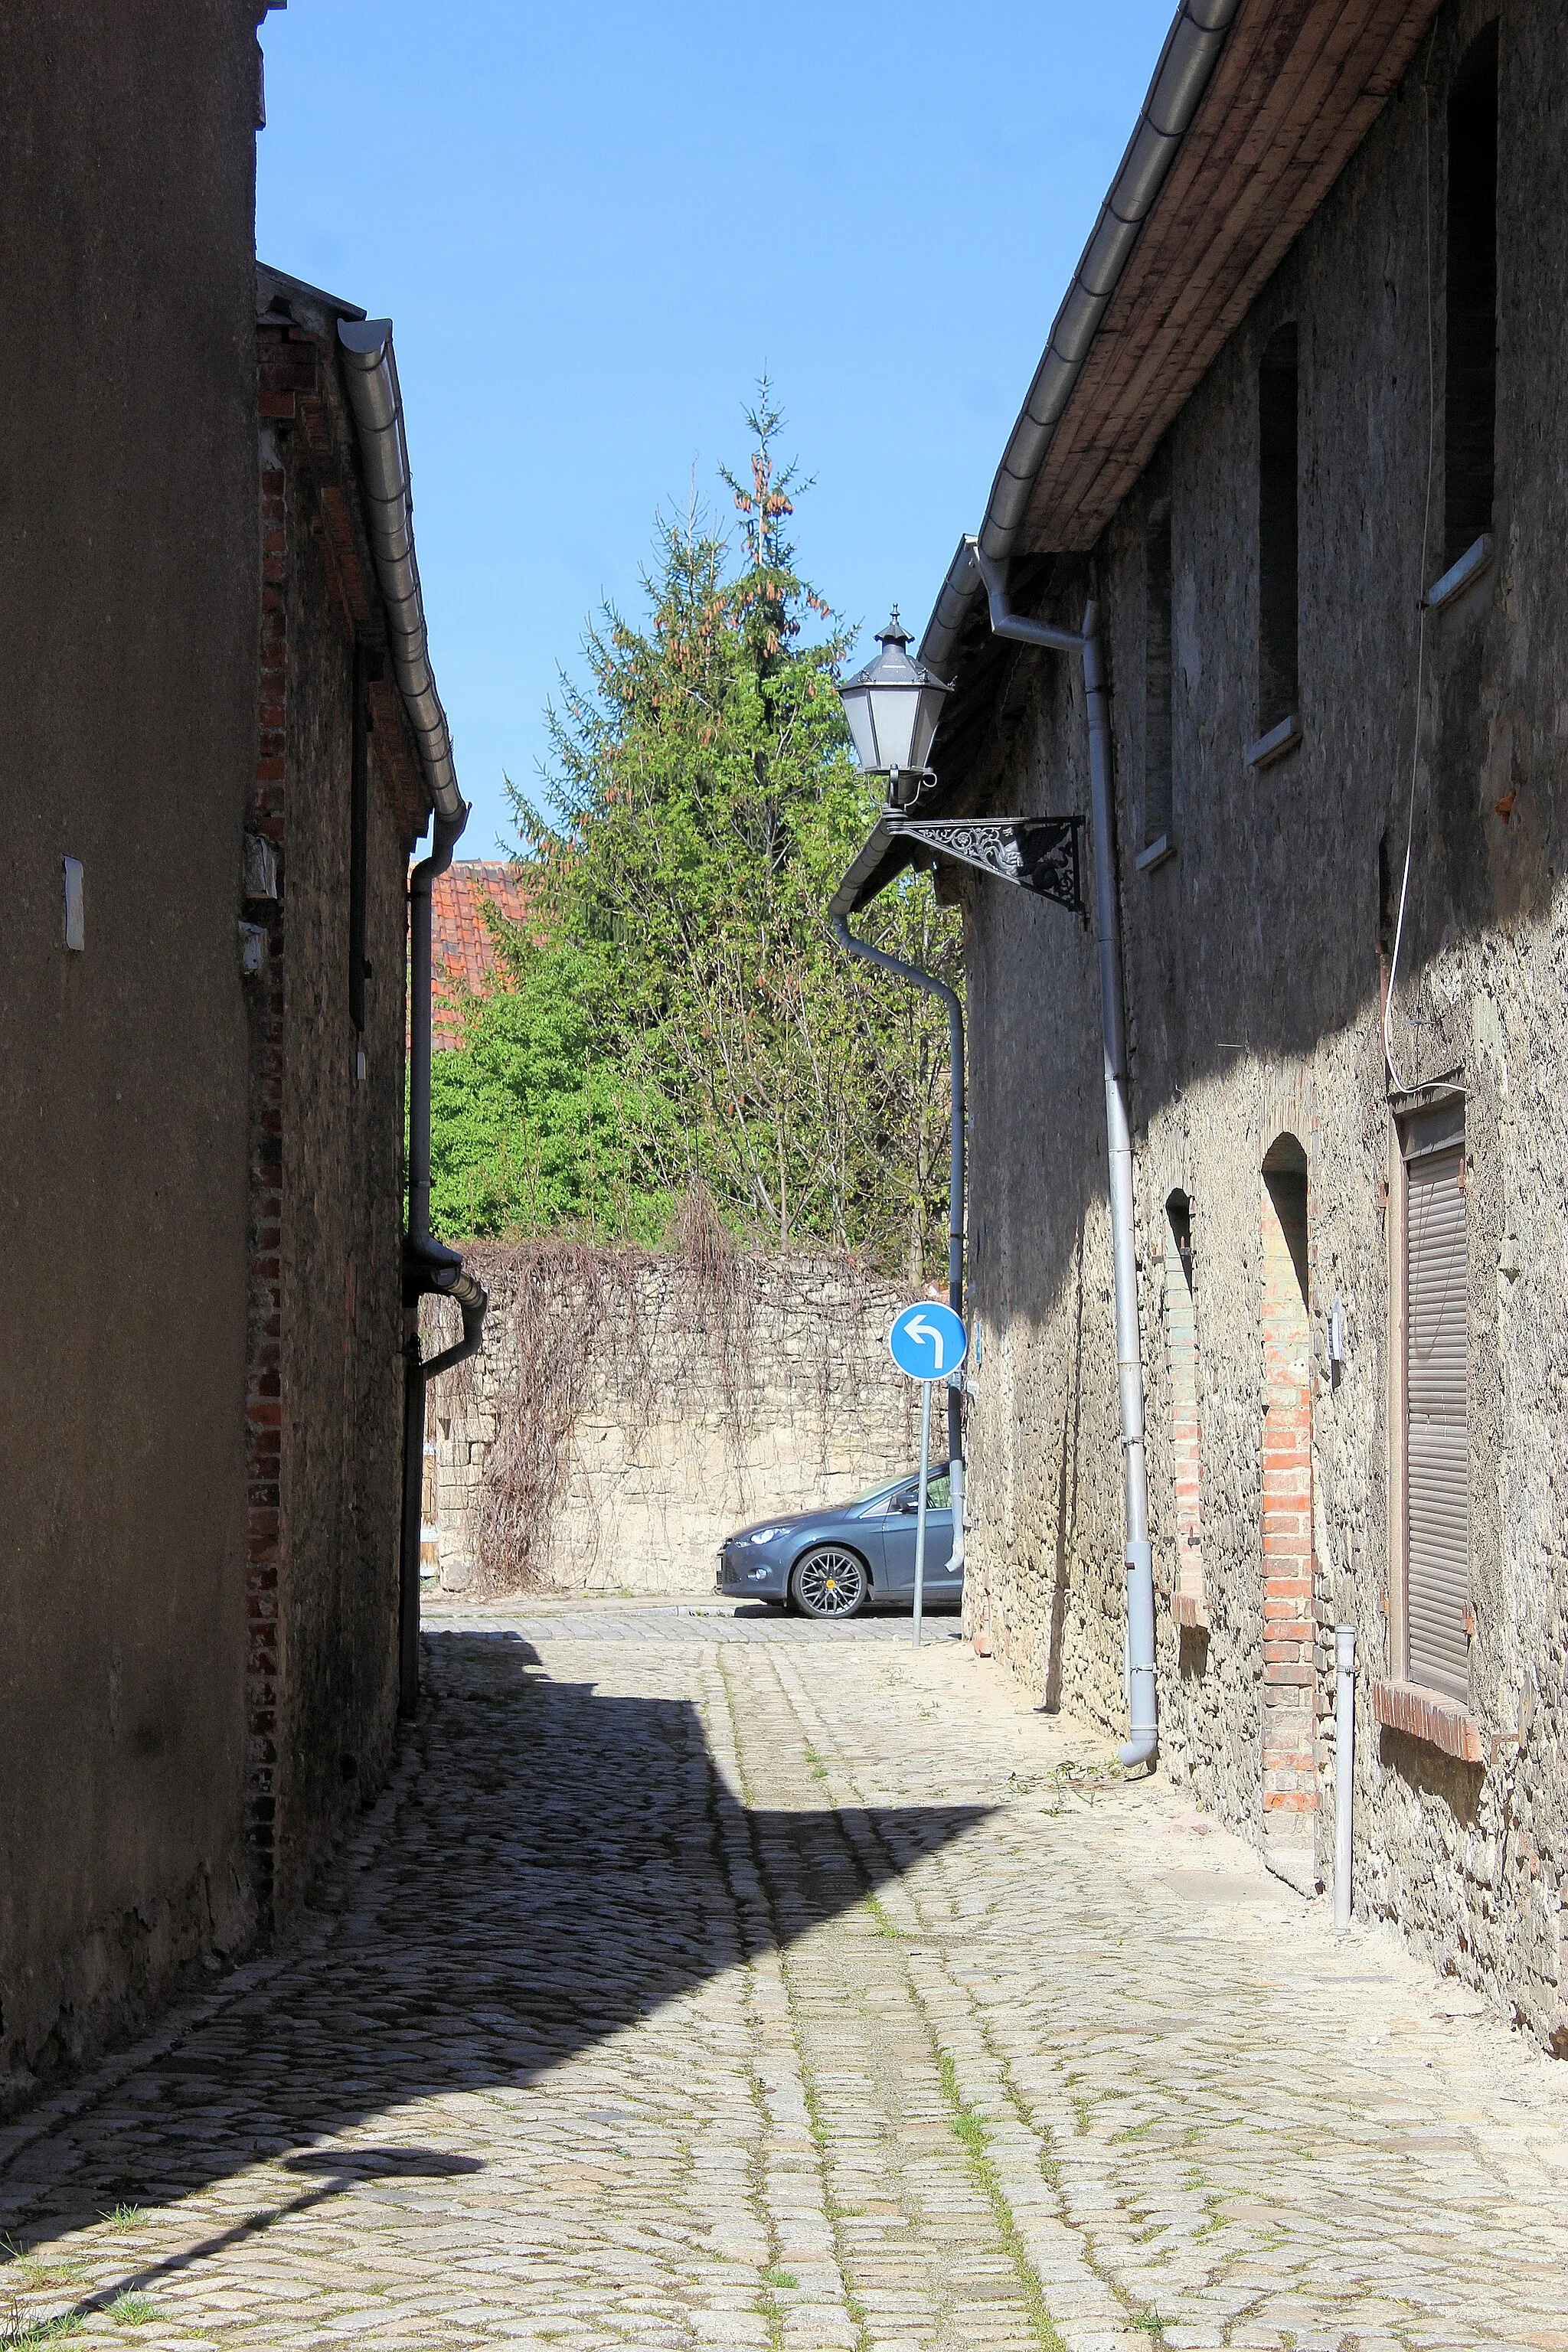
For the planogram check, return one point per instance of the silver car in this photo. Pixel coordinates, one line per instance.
(834, 1563)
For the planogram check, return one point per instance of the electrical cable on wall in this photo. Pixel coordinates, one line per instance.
(1400, 1084)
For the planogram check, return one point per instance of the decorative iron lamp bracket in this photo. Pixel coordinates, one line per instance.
(1042, 854)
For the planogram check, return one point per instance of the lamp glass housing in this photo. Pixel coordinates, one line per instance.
(892, 707)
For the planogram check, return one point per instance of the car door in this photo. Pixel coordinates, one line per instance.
(900, 1527)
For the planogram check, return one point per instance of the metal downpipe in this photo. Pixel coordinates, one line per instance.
(918, 978)
(1139, 1557)
(1138, 1552)
(428, 1266)
(370, 377)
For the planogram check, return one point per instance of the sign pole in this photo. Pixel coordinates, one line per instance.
(920, 1517)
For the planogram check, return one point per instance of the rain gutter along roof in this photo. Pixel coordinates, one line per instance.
(1192, 49)
(369, 371)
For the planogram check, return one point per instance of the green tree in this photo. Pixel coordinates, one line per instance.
(693, 1013)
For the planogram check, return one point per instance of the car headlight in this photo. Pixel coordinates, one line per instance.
(766, 1534)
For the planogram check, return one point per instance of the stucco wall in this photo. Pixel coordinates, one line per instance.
(1254, 981)
(691, 1420)
(127, 577)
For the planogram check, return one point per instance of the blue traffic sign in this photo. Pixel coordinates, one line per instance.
(928, 1342)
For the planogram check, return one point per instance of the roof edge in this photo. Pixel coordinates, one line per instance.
(1191, 52)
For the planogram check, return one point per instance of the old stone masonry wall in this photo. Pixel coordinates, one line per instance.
(628, 1412)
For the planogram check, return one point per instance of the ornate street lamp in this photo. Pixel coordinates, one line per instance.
(892, 706)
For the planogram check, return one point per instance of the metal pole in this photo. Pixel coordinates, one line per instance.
(1344, 1774)
(920, 1514)
(955, 1190)
(1140, 1747)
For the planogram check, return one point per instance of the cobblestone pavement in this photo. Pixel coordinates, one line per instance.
(706, 1982)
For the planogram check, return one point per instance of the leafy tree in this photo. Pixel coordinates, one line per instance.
(692, 1020)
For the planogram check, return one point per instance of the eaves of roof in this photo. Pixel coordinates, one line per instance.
(1255, 109)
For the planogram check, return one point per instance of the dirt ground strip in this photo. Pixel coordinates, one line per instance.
(711, 1980)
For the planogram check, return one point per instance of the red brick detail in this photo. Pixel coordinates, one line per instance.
(281, 371)
(1289, 1670)
(1424, 1715)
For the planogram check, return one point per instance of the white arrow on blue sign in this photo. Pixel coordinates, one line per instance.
(926, 1342)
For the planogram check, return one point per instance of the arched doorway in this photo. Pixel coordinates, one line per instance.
(1289, 1761)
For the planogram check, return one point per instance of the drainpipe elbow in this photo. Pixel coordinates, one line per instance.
(1141, 1749)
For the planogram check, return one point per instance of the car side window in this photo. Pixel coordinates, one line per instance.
(939, 1493)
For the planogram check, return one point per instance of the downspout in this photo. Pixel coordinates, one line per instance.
(1139, 1555)
(918, 978)
(428, 1266)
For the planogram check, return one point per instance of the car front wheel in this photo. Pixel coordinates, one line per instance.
(830, 1582)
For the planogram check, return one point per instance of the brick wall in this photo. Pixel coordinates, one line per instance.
(324, 1403)
(264, 1302)
(1289, 1780)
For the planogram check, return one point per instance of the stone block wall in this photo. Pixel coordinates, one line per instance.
(1258, 953)
(693, 1409)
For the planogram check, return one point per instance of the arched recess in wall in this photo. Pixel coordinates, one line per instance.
(1290, 1763)
(1187, 1601)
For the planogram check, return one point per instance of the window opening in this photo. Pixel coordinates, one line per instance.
(1187, 1601)
(1159, 797)
(1437, 1403)
(1470, 403)
(1278, 532)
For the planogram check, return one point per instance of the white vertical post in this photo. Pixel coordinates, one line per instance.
(920, 1517)
(1344, 1774)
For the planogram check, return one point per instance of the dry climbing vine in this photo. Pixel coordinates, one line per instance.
(569, 1319)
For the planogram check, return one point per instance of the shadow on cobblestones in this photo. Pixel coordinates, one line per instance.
(552, 1865)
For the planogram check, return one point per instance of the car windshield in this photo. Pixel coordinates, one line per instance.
(905, 1477)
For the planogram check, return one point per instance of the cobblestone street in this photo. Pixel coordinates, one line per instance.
(706, 1982)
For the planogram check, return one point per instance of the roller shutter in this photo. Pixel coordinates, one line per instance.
(1437, 1578)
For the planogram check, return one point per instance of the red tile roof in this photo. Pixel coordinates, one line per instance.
(462, 952)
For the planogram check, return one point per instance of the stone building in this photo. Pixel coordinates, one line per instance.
(339, 799)
(202, 1412)
(1298, 433)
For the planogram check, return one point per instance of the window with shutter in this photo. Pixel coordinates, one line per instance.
(1436, 1406)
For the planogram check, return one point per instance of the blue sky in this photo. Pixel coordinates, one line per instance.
(594, 226)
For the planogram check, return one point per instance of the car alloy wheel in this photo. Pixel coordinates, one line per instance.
(829, 1582)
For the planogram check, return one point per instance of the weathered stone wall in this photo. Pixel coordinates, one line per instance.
(1255, 958)
(702, 1407)
(325, 1407)
(128, 575)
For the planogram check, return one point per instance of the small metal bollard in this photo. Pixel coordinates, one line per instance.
(1344, 1773)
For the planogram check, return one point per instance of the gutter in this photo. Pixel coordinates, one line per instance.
(429, 1268)
(1186, 62)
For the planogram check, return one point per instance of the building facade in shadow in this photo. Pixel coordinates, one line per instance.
(1298, 432)
(216, 765)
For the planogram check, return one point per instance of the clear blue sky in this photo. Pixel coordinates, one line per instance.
(593, 225)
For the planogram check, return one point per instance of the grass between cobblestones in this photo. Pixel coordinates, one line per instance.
(775, 2276)
(969, 2130)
